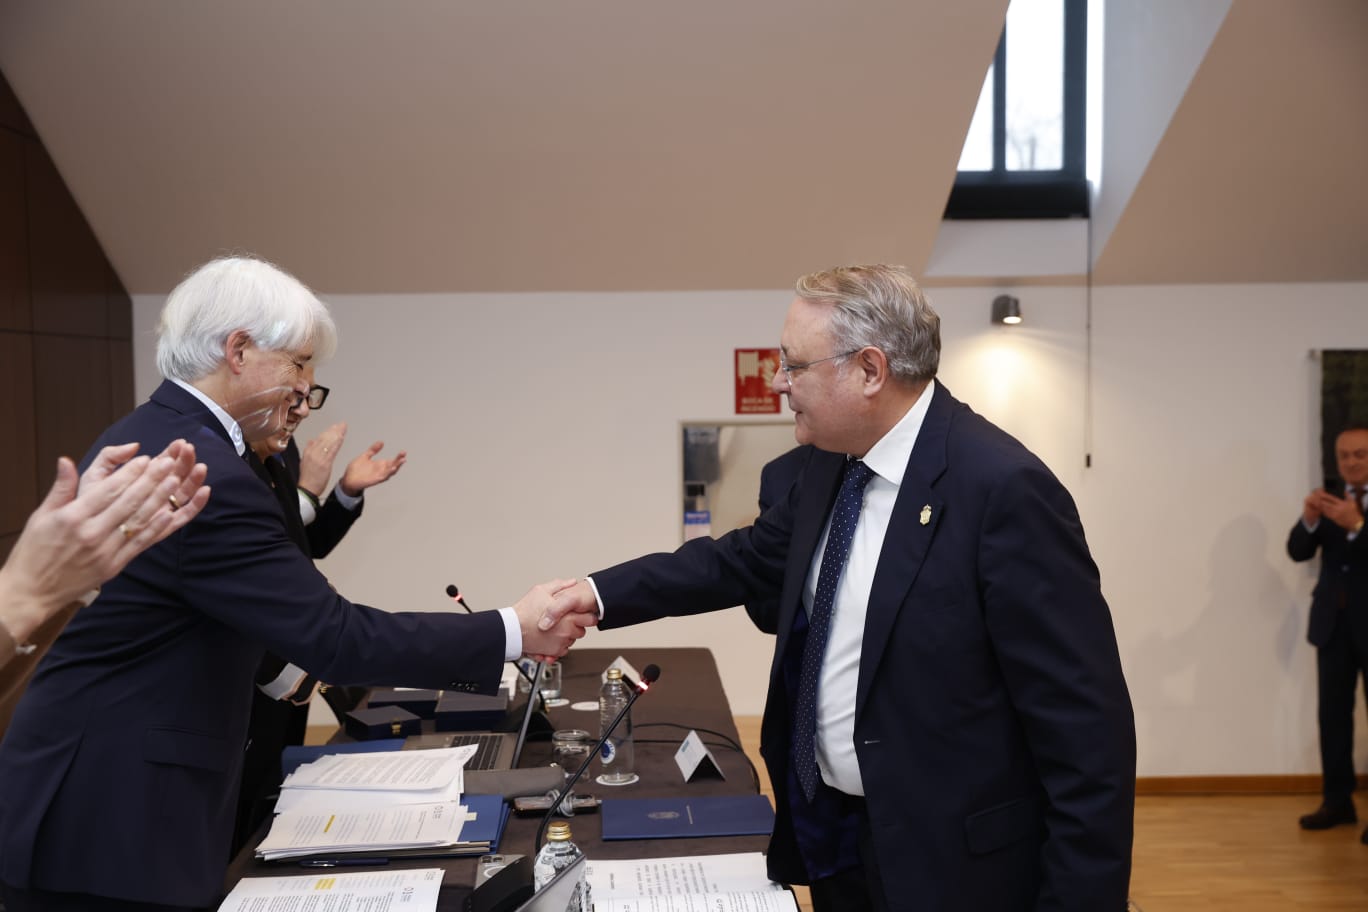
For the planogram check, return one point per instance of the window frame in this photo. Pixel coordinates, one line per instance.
(1062, 193)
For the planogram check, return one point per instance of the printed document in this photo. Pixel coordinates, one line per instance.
(371, 891)
(699, 883)
(406, 826)
(420, 770)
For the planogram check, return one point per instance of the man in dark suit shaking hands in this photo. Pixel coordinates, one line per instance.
(119, 772)
(947, 726)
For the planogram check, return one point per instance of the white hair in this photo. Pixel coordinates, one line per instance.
(232, 293)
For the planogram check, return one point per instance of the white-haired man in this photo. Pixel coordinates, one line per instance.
(119, 774)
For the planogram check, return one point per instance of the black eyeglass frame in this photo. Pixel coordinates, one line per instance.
(788, 369)
(316, 396)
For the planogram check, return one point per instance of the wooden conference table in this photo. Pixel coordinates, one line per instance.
(689, 695)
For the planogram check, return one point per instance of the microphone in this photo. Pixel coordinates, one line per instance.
(649, 675)
(454, 594)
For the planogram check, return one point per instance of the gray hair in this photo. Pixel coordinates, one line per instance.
(883, 307)
(232, 293)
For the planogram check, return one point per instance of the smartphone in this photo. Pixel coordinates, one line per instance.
(1334, 485)
(537, 804)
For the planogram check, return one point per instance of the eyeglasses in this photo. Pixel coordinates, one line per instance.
(316, 396)
(790, 369)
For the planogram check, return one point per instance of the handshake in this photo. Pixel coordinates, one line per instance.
(553, 615)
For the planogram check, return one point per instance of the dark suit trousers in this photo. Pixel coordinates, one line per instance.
(858, 889)
(1339, 663)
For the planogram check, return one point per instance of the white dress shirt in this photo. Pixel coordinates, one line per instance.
(836, 759)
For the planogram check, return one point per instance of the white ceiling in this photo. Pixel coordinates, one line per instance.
(458, 145)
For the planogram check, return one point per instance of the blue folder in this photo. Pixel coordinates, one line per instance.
(681, 818)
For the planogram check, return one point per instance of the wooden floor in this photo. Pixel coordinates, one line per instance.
(1222, 853)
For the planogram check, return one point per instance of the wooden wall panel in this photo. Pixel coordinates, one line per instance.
(120, 306)
(12, 114)
(65, 324)
(18, 469)
(121, 394)
(15, 312)
(68, 272)
(71, 398)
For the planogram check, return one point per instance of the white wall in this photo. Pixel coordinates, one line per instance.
(543, 433)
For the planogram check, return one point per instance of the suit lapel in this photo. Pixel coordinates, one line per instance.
(821, 482)
(169, 395)
(911, 529)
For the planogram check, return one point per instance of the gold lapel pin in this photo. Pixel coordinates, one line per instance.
(926, 515)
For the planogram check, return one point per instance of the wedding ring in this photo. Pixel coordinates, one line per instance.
(175, 504)
(127, 532)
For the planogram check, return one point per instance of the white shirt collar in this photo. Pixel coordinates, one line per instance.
(888, 457)
(228, 421)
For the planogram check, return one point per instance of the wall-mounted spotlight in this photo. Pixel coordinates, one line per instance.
(1006, 309)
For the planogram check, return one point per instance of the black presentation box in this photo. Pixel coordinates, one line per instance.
(422, 703)
(382, 722)
(470, 712)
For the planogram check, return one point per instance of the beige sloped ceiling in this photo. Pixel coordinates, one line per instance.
(461, 145)
(456, 145)
(1262, 172)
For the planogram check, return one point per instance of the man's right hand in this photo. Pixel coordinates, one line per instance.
(543, 640)
(574, 600)
(1311, 507)
(316, 459)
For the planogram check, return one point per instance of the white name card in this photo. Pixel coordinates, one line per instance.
(693, 758)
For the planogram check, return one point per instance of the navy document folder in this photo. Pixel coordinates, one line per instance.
(675, 818)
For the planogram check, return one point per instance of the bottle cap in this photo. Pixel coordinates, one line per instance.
(558, 831)
(615, 674)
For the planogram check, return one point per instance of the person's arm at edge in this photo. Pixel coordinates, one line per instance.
(88, 528)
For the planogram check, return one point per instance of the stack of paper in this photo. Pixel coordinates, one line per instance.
(414, 890)
(699, 883)
(396, 802)
(369, 780)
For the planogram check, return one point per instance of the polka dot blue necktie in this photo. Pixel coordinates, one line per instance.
(844, 517)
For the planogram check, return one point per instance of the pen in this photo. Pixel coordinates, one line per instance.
(341, 862)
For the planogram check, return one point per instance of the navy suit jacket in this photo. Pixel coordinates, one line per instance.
(993, 727)
(1343, 581)
(119, 773)
(776, 478)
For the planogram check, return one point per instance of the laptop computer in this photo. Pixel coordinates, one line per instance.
(501, 750)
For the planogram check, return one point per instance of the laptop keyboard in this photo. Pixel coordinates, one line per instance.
(487, 755)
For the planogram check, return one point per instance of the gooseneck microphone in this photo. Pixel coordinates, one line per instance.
(454, 594)
(649, 675)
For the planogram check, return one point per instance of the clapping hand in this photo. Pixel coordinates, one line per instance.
(316, 459)
(366, 471)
